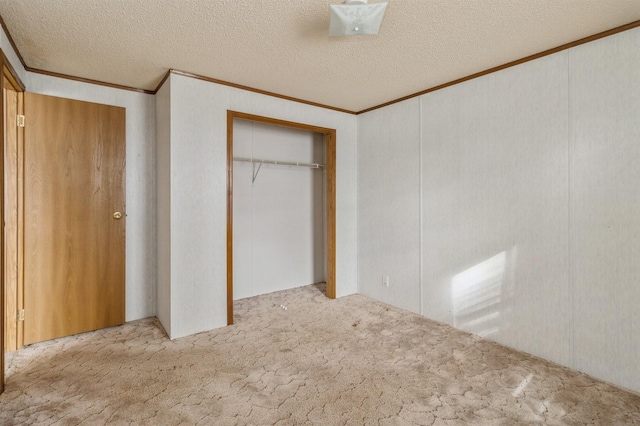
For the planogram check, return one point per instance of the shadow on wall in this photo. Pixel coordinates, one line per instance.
(480, 295)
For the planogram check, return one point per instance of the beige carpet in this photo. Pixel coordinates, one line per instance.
(351, 361)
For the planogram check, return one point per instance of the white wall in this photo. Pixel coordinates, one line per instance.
(278, 219)
(604, 91)
(529, 223)
(495, 183)
(198, 194)
(198, 189)
(389, 204)
(163, 218)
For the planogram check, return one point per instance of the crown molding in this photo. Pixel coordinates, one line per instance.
(89, 81)
(252, 89)
(560, 48)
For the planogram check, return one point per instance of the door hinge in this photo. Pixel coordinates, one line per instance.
(20, 120)
(20, 315)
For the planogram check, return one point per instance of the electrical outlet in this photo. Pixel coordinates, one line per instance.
(385, 280)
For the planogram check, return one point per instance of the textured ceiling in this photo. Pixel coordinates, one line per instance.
(282, 46)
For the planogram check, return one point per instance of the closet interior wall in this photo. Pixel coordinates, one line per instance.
(278, 210)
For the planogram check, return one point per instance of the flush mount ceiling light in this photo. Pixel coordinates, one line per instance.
(356, 17)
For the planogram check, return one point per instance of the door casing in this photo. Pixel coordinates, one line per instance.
(9, 81)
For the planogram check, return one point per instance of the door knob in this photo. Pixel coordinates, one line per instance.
(117, 215)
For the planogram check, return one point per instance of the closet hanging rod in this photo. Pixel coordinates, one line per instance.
(279, 163)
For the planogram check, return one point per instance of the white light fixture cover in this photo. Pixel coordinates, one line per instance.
(355, 17)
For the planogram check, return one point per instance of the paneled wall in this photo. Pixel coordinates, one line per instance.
(278, 210)
(389, 204)
(495, 216)
(604, 93)
(525, 201)
(192, 245)
(198, 195)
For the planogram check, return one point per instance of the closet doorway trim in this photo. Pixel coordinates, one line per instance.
(330, 194)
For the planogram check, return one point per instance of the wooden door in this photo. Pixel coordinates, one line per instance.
(74, 247)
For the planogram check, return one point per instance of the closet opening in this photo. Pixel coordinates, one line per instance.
(280, 206)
